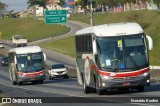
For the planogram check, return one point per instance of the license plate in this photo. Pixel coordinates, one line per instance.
(127, 83)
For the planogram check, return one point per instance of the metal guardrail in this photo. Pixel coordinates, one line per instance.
(154, 67)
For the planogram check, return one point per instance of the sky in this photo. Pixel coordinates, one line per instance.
(16, 5)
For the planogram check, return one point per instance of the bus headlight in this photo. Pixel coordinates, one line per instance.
(41, 74)
(105, 77)
(145, 74)
(21, 76)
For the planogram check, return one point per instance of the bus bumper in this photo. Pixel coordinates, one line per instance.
(32, 78)
(128, 82)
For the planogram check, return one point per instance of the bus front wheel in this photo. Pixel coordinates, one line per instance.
(98, 90)
(41, 82)
(86, 89)
(19, 83)
(14, 83)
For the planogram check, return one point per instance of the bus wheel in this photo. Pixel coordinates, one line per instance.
(41, 82)
(50, 77)
(19, 83)
(86, 89)
(14, 83)
(140, 89)
(99, 91)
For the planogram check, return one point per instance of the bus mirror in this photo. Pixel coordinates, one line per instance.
(94, 47)
(150, 42)
(44, 55)
(15, 60)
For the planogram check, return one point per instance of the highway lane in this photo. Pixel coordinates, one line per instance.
(70, 88)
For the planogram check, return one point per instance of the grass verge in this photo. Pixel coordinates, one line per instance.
(31, 28)
(65, 46)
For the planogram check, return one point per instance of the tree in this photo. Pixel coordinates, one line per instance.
(157, 2)
(82, 3)
(113, 2)
(11, 14)
(2, 8)
(61, 3)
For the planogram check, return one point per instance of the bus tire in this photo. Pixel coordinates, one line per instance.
(50, 77)
(14, 83)
(41, 82)
(99, 91)
(86, 89)
(140, 89)
(19, 83)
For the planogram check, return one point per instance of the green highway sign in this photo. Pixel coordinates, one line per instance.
(56, 12)
(55, 16)
(56, 19)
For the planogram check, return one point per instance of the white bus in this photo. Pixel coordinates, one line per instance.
(113, 56)
(27, 64)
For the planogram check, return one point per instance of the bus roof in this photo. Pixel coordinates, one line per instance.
(26, 50)
(114, 29)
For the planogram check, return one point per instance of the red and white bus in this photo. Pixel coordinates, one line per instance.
(27, 64)
(113, 56)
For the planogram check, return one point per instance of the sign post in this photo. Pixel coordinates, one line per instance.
(55, 16)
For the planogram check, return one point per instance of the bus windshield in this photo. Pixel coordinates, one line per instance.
(28, 63)
(122, 53)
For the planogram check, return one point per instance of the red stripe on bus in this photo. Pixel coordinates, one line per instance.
(123, 74)
(31, 74)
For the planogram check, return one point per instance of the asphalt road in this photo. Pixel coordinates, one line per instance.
(69, 87)
(66, 88)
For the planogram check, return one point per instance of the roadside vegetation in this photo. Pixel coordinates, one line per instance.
(149, 20)
(65, 46)
(29, 28)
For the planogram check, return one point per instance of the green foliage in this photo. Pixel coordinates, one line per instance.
(157, 2)
(2, 8)
(61, 2)
(113, 2)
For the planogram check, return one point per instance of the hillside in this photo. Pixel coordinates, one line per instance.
(31, 29)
